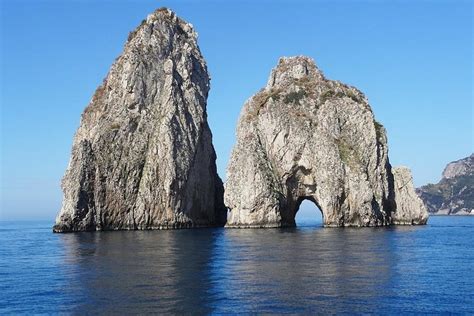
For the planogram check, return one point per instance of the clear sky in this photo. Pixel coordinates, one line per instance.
(413, 60)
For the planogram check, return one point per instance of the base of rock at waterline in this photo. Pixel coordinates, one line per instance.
(57, 229)
(347, 225)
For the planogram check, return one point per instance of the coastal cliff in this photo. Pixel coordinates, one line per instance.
(454, 193)
(142, 157)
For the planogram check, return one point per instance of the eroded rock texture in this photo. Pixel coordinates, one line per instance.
(408, 205)
(306, 137)
(142, 157)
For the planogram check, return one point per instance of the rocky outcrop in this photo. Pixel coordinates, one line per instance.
(409, 207)
(142, 157)
(454, 193)
(306, 137)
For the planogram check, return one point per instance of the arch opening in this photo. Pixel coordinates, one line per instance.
(308, 214)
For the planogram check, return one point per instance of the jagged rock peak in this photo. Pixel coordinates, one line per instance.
(306, 137)
(293, 68)
(162, 18)
(142, 157)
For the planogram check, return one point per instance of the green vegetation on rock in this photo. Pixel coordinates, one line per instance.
(294, 97)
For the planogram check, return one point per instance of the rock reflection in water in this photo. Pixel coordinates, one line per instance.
(325, 270)
(303, 270)
(142, 271)
(218, 270)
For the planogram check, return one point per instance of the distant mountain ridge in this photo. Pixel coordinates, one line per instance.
(454, 193)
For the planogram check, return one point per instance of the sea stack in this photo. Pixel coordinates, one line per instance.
(142, 157)
(305, 137)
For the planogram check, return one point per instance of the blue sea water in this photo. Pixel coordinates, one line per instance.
(398, 270)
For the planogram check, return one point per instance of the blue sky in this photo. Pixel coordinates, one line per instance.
(413, 60)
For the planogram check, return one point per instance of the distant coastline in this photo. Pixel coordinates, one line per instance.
(454, 193)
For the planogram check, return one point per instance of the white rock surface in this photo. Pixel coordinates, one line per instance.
(142, 157)
(306, 137)
(409, 207)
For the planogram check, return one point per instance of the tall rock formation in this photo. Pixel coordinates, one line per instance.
(306, 137)
(409, 208)
(142, 157)
(454, 193)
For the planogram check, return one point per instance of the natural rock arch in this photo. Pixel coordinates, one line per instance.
(304, 136)
(291, 214)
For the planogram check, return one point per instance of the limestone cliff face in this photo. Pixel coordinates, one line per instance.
(306, 137)
(454, 193)
(142, 157)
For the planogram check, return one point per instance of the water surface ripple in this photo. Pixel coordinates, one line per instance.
(301, 270)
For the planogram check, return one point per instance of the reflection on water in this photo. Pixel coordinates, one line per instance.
(299, 270)
(150, 271)
(302, 271)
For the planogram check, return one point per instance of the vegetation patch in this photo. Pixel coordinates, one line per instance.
(333, 93)
(294, 97)
(347, 153)
(115, 126)
(353, 96)
(308, 84)
(260, 99)
(326, 95)
(378, 130)
(263, 95)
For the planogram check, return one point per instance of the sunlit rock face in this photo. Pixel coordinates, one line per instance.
(142, 157)
(305, 137)
(409, 207)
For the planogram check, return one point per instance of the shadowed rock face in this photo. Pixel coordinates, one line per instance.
(142, 157)
(306, 137)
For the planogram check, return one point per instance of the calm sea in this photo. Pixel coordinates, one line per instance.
(302, 270)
